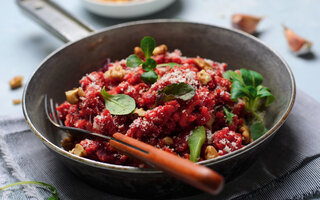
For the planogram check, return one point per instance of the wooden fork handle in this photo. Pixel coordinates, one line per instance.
(196, 175)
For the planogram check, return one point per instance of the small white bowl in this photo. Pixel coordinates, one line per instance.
(125, 9)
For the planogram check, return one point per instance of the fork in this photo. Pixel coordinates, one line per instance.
(196, 175)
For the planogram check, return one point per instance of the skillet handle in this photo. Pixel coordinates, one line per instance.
(55, 19)
(196, 175)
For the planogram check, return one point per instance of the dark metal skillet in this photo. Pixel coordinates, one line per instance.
(63, 68)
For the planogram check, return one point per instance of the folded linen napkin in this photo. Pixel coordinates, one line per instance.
(289, 168)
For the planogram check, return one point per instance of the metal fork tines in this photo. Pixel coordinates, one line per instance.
(52, 115)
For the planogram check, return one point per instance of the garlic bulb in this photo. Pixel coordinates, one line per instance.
(246, 23)
(296, 43)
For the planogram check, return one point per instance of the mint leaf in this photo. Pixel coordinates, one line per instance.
(228, 115)
(149, 77)
(247, 86)
(182, 91)
(262, 92)
(147, 45)
(52, 189)
(257, 130)
(149, 65)
(251, 78)
(252, 92)
(119, 104)
(133, 61)
(195, 142)
(238, 90)
(233, 76)
(171, 65)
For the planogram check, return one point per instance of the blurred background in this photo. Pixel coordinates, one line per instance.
(24, 44)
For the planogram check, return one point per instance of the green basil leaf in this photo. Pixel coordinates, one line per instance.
(119, 104)
(269, 100)
(250, 77)
(252, 91)
(52, 189)
(195, 142)
(228, 115)
(182, 91)
(262, 92)
(150, 64)
(233, 76)
(134, 61)
(147, 45)
(238, 91)
(171, 65)
(257, 130)
(149, 77)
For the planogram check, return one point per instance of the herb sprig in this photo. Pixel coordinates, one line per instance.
(119, 104)
(147, 44)
(229, 115)
(247, 86)
(52, 189)
(195, 142)
(181, 91)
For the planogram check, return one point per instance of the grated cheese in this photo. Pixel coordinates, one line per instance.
(209, 136)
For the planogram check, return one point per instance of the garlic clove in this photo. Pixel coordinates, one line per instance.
(246, 23)
(297, 44)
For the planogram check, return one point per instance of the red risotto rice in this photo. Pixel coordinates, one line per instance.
(166, 126)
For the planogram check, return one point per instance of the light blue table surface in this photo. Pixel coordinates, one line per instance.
(24, 43)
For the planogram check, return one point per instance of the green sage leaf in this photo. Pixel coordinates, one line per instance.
(228, 115)
(149, 77)
(171, 65)
(147, 45)
(119, 104)
(182, 91)
(195, 142)
(257, 130)
(133, 61)
(251, 78)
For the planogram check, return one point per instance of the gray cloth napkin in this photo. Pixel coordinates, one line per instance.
(289, 168)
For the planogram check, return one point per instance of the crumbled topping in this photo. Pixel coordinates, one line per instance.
(178, 75)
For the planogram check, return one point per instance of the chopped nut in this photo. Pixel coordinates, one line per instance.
(138, 52)
(139, 111)
(246, 23)
(72, 96)
(168, 141)
(78, 150)
(296, 43)
(16, 101)
(68, 143)
(116, 73)
(162, 49)
(16, 82)
(202, 64)
(210, 152)
(80, 92)
(204, 77)
(246, 134)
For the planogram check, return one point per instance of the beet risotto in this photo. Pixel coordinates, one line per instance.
(188, 106)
